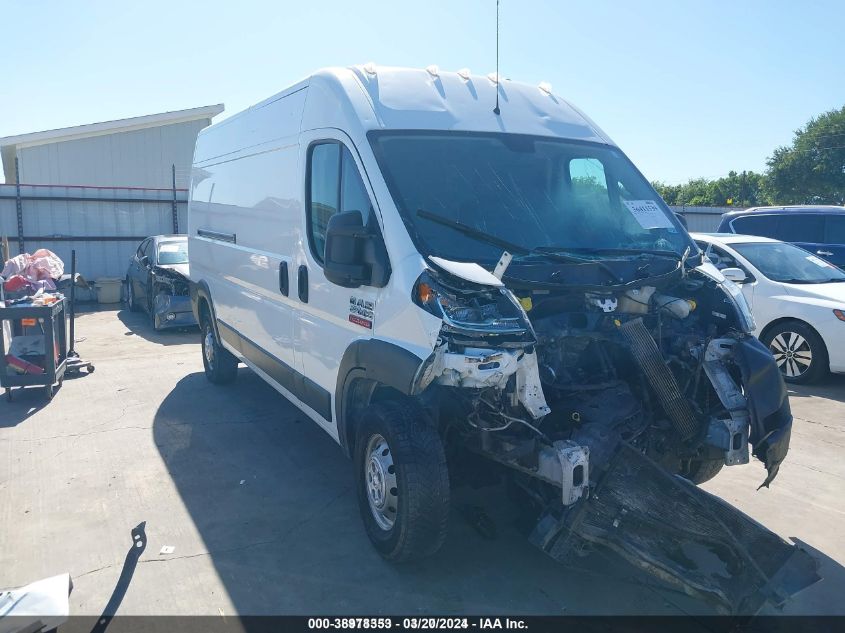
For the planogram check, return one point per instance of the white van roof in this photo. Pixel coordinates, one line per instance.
(412, 98)
(372, 97)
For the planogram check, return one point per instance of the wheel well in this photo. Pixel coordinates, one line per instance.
(363, 392)
(782, 320)
(203, 308)
(770, 326)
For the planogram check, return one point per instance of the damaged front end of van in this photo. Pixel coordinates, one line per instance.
(608, 403)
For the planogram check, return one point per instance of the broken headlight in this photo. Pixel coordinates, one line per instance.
(471, 307)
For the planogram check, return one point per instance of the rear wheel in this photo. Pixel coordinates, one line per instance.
(402, 481)
(799, 351)
(221, 366)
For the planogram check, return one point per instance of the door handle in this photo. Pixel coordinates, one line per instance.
(302, 283)
(825, 253)
(284, 282)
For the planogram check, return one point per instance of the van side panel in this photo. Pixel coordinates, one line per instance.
(243, 227)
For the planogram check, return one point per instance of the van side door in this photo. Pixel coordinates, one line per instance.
(330, 317)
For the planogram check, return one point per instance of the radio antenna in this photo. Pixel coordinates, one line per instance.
(496, 109)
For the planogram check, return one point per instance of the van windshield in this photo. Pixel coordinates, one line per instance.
(533, 192)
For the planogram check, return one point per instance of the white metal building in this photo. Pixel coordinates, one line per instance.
(136, 152)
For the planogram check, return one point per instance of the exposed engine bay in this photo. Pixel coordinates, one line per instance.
(607, 405)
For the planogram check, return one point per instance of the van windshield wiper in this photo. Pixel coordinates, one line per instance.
(549, 252)
(473, 232)
(562, 254)
(627, 251)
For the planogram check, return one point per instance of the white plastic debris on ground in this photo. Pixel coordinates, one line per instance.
(41, 605)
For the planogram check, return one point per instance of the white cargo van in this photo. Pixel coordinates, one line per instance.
(430, 280)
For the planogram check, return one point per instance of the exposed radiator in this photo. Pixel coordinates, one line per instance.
(651, 361)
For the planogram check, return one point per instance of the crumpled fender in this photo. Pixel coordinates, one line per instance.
(768, 404)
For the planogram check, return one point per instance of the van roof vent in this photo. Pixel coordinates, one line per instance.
(494, 77)
(370, 68)
(433, 70)
(464, 74)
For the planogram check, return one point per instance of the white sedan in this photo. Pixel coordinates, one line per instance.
(797, 299)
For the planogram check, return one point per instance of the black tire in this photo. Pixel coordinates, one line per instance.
(700, 470)
(152, 315)
(420, 494)
(130, 297)
(799, 351)
(221, 367)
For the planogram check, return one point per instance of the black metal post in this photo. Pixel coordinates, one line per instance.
(71, 351)
(175, 213)
(19, 207)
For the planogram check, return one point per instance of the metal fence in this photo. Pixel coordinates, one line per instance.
(103, 224)
(703, 219)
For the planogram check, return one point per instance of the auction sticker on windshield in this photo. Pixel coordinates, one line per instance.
(648, 214)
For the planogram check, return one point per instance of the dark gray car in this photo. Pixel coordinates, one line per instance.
(157, 281)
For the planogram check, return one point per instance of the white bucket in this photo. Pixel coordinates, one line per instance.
(108, 289)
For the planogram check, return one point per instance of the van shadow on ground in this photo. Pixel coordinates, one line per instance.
(290, 540)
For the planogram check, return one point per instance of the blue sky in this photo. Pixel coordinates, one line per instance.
(686, 88)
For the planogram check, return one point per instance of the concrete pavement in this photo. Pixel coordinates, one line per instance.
(259, 506)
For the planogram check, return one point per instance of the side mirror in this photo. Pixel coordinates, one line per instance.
(736, 275)
(144, 261)
(354, 256)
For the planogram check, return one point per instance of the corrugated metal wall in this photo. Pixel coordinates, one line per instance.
(703, 219)
(139, 158)
(128, 213)
(131, 214)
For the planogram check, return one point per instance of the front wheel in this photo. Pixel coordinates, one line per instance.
(220, 365)
(130, 297)
(402, 481)
(700, 470)
(799, 351)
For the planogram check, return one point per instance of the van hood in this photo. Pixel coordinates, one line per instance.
(468, 271)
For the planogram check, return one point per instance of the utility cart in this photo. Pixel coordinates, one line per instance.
(33, 345)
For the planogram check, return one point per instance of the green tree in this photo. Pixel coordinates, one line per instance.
(743, 189)
(812, 169)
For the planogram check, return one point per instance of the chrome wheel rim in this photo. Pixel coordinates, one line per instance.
(130, 299)
(208, 348)
(792, 353)
(380, 480)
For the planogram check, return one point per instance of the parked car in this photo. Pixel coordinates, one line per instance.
(157, 281)
(445, 288)
(798, 300)
(818, 229)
